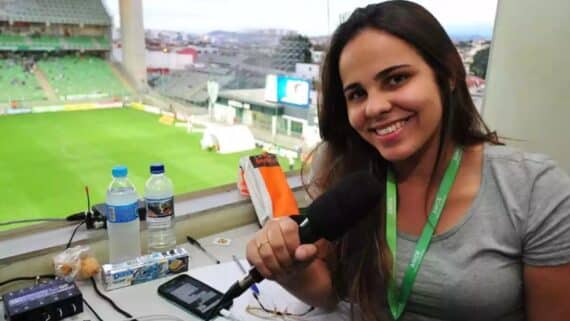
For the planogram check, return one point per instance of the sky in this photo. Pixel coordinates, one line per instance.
(308, 17)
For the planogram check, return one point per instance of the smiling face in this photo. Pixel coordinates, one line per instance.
(391, 94)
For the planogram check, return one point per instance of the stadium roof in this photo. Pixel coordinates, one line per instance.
(86, 12)
(252, 96)
(187, 51)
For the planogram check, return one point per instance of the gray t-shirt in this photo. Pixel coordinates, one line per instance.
(474, 271)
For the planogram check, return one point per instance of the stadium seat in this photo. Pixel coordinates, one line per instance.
(12, 42)
(18, 85)
(86, 43)
(88, 12)
(190, 85)
(81, 77)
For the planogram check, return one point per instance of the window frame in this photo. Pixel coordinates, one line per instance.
(25, 242)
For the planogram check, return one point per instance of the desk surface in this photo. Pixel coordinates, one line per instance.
(142, 299)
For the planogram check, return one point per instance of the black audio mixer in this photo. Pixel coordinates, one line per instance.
(50, 301)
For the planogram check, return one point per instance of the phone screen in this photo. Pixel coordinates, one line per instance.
(193, 295)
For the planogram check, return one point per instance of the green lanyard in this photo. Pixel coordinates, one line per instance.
(397, 299)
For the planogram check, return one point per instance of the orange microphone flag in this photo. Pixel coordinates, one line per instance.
(268, 187)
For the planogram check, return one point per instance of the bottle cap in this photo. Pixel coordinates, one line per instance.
(157, 168)
(120, 171)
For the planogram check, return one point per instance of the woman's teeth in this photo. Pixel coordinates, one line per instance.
(392, 128)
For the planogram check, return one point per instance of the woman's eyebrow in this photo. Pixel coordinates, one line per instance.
(381, 74)
(387, 71)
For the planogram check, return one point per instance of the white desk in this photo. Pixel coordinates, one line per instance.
(142, 299)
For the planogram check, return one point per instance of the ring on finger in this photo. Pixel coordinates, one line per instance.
(261, 244)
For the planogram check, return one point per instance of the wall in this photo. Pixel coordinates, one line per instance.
(528, 94)
(307, 71)
(208, 222)
(158, 59)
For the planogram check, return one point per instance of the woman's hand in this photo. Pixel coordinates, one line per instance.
(276, 252)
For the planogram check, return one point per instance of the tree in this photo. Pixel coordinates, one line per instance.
(463, 44)
(291, 50)
(479, 65)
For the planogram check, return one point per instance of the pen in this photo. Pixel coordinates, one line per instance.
(197, 244)
(253, 286)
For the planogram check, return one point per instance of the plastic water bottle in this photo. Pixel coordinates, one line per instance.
(122, 218)
(159, 199)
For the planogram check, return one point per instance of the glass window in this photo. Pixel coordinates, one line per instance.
(77, 97)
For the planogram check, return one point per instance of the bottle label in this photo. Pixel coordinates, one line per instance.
(159, 210)
(122, 213)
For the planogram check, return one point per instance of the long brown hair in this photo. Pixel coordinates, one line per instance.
(362, 263)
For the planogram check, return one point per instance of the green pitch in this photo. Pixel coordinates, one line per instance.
(47, 159)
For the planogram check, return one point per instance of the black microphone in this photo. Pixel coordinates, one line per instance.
(329, 216)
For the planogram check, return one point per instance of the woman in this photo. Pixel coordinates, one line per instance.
(395, 102)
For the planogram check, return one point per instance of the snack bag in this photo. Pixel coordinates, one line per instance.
(76, 263)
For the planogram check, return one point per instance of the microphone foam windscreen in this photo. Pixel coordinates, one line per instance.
(336, 211)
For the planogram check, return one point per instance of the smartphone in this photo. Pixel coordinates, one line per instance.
(192, 295)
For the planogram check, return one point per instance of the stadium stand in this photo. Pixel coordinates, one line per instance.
(18, 84)
(80, 12)
(11, 42)
(81, 77)
(53, 43)
(45, 42)
(86, 43)
(66, 40)
(191, 85)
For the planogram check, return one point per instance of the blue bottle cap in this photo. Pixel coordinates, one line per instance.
(157, 168)
(120, 171)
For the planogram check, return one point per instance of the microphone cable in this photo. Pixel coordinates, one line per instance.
(110, 301)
